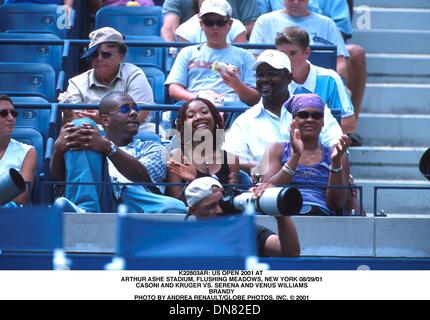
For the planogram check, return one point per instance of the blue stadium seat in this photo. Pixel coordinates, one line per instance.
(156, 79)
(324, 56)
(32, 136)
(33, 117)
(35, 18)
(33, 230)
(141, 238)
(37, 53)
(131, 21)
(147, 56)
(27, 79)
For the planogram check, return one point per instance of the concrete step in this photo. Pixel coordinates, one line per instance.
(393, 3)
(412, 66)
(394, 130)
(391, 18)
(397, 79)
(396, 98)
(393, 41)
(386, 162)
(396, 201)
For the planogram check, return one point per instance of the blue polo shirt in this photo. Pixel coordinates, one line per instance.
(329, 86)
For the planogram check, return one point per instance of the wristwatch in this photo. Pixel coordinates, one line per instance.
(335, 170)
(113, 149)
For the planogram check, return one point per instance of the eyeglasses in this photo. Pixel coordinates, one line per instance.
(104, 54)
(5, 112)
(219, 23)
(314, 115)
(125, 108)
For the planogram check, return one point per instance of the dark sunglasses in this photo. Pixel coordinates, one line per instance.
(313, 115)
(104, 54)
(219, 23)
(5, 112)
(125, 109)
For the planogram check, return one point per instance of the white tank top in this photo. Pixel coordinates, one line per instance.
(14, 156)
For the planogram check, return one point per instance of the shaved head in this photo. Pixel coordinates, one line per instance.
(113, 100)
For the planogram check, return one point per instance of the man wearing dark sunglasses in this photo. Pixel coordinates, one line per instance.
(84, 152)
(106, 53)
(268, 121)
(196, 67)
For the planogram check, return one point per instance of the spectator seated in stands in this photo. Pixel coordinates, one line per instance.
(190, 30)
(268, 121)
(214, 65)
(203, 198)
(176, 12)
(200, 120)
(14, 154)
(307, 78)
(106, 52)
(305, 161)
(322, 30)
(340, 11)
(80, 155)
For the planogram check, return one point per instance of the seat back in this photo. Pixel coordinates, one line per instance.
(136, 21)
(156, 79)
(32, 136)
(142, 237)
(147, 56)
(38, 53)
(27, 79)
(33, 117)
(324, 56)
(35, 18)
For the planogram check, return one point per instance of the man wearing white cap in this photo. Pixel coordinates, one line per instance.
(106, 53)
(203, 197)
(268, 121)
(214, 65)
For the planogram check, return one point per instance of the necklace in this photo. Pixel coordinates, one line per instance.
(312, 158)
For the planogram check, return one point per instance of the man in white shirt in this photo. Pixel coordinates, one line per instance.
(268, 121)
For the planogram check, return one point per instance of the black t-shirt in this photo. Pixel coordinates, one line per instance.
(262, 234)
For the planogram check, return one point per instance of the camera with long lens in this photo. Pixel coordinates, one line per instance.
(274, 201)
(12, 184)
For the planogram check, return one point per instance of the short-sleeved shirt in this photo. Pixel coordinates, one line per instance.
(322, 30)
(150, 154)
(191, 30)
(192, 68)
(329, 86)
(85, 88)
(257, 127)
(243, 10)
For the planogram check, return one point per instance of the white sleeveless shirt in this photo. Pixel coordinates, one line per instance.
(14, 156)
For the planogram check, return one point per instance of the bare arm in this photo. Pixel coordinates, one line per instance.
(170, 23)
(28, 171)
(341, 67)
(336, 198)
(247, 94)
(249, 26)
(286, 243)
(178, 92)
(348, 124)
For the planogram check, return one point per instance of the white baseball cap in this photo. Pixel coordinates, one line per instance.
(275, 58)
(100, 36)
(200, 189)
(221, 7)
